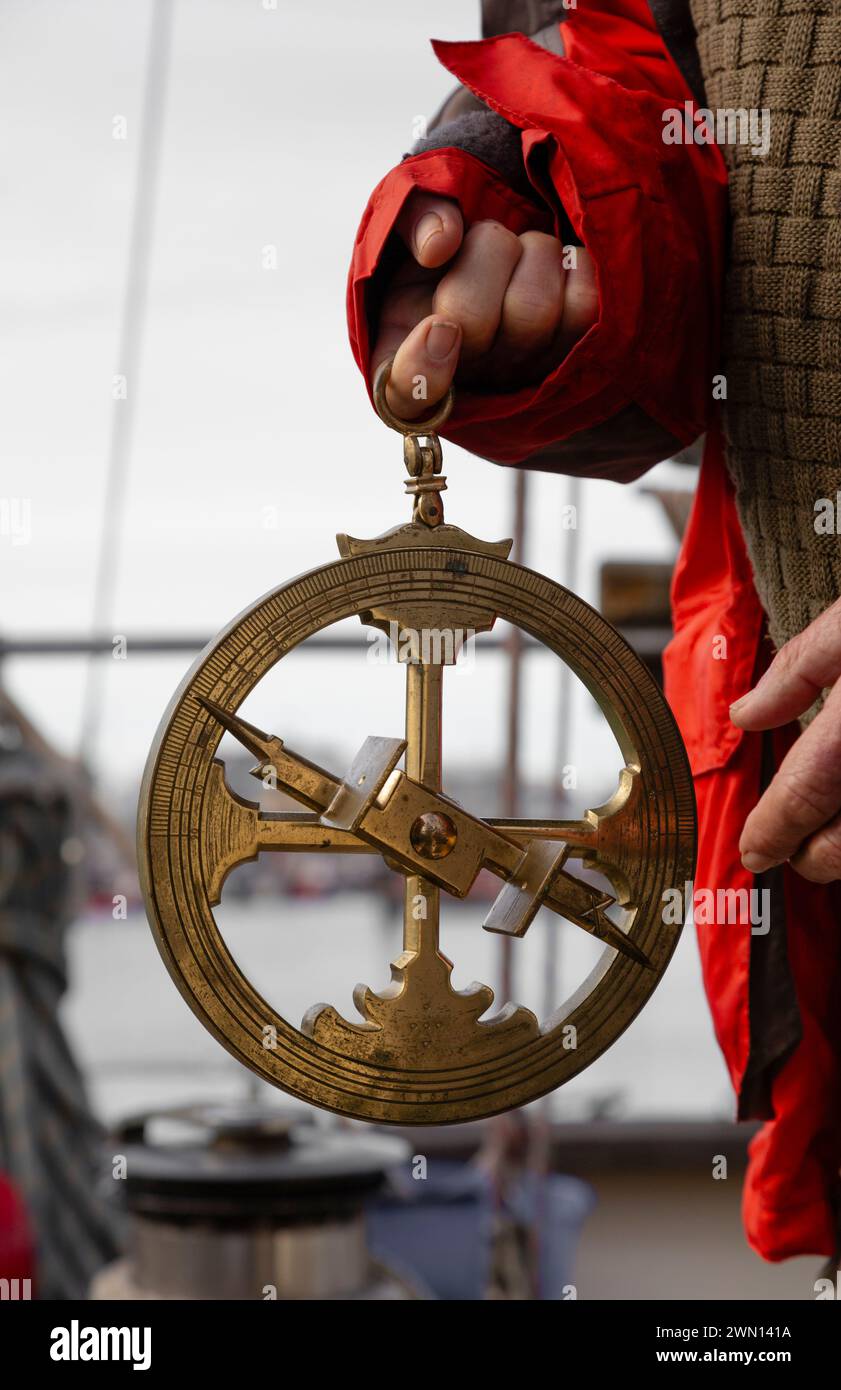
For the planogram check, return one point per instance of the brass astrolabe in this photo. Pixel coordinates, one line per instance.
(420, 1052)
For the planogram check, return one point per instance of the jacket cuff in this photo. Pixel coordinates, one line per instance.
(480, 193)
(490, 139)
(650, 214)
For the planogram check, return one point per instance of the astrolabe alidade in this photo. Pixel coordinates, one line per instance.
(421, 1051)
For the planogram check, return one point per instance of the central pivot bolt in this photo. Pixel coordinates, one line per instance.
(433, 835)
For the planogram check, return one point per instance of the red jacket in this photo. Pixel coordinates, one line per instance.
(653, 217)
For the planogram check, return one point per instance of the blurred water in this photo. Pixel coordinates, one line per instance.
(141, 1045)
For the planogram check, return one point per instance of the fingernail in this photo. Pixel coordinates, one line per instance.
(758, 863)
(427, 226)
(441, 338)
(742, 700)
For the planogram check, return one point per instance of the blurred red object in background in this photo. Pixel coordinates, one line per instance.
(17, 1255)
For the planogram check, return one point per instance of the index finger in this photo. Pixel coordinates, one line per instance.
(803, 796)
(805, 666)
(431, 227)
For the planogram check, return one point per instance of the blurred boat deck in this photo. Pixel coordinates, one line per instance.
(643, 1125)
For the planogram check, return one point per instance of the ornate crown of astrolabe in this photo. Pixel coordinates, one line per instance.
(421, 1052)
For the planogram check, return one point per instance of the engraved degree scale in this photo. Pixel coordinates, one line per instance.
(420, 1052)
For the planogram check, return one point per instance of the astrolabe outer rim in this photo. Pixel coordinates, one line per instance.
(231, 666)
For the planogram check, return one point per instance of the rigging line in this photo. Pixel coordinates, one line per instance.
(511, 775)
(130, 348)
(564, 742)
(566, 687)
(540, 1154)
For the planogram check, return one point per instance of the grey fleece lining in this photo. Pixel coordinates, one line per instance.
(490, 138)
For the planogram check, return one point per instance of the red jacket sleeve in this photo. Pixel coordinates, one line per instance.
(651, 214)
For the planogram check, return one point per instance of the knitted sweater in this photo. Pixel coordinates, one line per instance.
(782, 312)
(782, 328)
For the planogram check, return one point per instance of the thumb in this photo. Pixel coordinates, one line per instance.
(423, 368)
(431, 227)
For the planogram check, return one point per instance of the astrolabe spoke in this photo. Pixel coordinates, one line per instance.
(575, 833)
(303, 831)
(612, 838)
(424, 703)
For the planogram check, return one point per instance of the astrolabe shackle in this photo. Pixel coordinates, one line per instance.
(421, 1051)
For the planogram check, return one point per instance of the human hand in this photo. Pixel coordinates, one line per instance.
(798, 817)
(490, 308)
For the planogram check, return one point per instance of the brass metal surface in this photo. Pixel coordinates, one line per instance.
(420, 1051)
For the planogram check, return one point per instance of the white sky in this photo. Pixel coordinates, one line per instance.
(278, 125)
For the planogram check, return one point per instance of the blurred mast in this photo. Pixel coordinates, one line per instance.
(569, 579)
(540, 1133)
(511, 779)
(129, 355)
